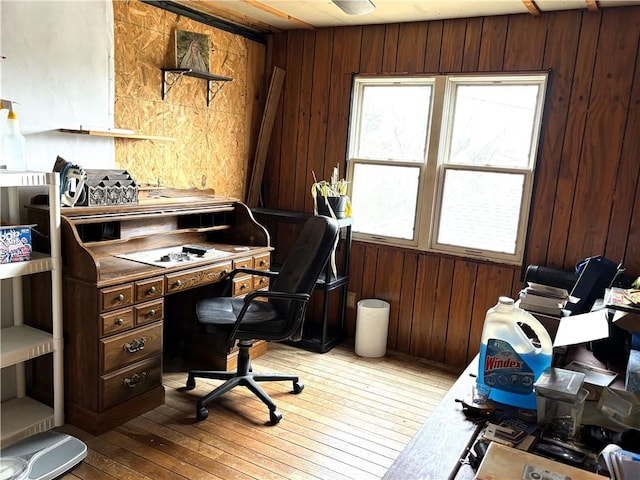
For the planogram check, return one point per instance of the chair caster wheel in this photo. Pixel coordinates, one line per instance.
(274, 416)
(201, 413)
(191, 383)
(298, 387)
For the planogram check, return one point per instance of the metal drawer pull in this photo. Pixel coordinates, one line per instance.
(151, 313)
(178, 283)
(119, 322)
(120, 298)
(135, 380)
(135, 345)
(152, 290)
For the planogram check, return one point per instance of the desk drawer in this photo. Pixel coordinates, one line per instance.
(243, 262)
(149, 289)
(260, 282)
(114, 322)
(262, 262)
(242, 285)
(176, 282)
(126, 348)
(129, 382)
(149, 312)
(116, 297)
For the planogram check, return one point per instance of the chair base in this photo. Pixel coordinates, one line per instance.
(243, 376)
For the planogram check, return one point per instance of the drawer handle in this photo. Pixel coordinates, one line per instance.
(243, 286)
(135, 380)
(263, 263)
(119, 322)
(152, 290)
(120, 298)
(135, 345)
(152, 313)
(178, 283)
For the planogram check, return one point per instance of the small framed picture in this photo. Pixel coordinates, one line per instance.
(192, 51)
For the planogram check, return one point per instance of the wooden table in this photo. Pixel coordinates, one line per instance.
(439, 449)
(436, 451)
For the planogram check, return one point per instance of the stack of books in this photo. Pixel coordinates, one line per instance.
(544, 299)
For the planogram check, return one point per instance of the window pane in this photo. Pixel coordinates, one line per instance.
(481, 210)
(493, 125)
(394, 122)
(384, 200)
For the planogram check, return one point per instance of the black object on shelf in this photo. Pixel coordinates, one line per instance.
(319, 338)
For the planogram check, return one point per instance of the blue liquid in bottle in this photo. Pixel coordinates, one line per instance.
(509, 362)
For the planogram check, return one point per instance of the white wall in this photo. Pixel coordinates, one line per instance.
(59, 66)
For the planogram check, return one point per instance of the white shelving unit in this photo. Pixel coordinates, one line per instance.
(23, 416)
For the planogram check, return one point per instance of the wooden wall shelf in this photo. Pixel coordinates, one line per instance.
(107, 133)
(170, 77)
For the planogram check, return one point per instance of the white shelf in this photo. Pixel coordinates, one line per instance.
(38, 263)
(22, 417)
(9, 178)
(21, 343)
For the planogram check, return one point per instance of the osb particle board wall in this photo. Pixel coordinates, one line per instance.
(214, 145)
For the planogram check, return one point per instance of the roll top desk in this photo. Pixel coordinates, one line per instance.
(124, 307)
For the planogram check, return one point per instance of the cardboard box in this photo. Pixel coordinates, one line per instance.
(15, 243)
(506, 463)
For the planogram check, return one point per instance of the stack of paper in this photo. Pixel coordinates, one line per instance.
(543, 299)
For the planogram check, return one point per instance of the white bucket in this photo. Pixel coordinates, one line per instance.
(372, 326)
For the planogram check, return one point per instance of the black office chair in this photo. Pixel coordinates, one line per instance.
(248, 319)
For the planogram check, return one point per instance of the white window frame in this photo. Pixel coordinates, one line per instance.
(433, 169)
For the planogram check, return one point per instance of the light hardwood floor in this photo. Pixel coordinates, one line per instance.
(352, 420)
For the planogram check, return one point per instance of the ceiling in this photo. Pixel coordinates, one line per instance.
(277, 15)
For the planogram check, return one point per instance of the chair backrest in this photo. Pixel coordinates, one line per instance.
(302, 267)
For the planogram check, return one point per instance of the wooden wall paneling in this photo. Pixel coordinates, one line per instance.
(472, 38)
(453, 45)
(626, 187)
(369, 273)
(273, 164)
(561, 45)
(356, 269)
(424, 306)
(556, 255)
(632, 257)
(604, 129)
(412, 39)
(525, 42)
(434, 46)
(390, 52)
(460, 312)
(492, 282)
(346, 55)
(492, 43)
(290, 111)
(407, 301)
(318, 123)
(438, 340)
(303, 175)
(388, 285)
(255, 105)
(372, 48)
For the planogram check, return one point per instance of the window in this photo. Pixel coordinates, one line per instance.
(445, 163)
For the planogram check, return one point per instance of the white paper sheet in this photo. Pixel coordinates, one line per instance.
(582, 328)
(153, 257)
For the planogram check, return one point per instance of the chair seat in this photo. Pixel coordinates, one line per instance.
(219, 314)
